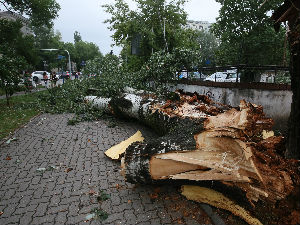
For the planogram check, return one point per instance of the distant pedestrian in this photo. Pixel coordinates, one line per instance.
(53, 79)
(27, 81)
(76, 75)
(45, 78)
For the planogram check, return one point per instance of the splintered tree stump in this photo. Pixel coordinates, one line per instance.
(204, 141)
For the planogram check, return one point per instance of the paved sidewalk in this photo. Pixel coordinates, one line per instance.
(76, 169)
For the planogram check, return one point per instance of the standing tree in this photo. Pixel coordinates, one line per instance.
(77, 37)
(246, 34)
(46, 38)
(85, 51)
(290, 11)
(12, 55)
(205, 43)
(18, 52)
(81, 50)
(154, 26)
(39, 12)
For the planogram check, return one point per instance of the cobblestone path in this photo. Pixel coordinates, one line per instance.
(52, 172)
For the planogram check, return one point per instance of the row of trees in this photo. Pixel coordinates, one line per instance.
(19, 52)
(156, 26)
(79, 50)
(156, 43)
(242, 34)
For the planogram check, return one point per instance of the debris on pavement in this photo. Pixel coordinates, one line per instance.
(49, 168)
(68, 170)
(42, 169)
(8, 157)
(117, 150)
(10, 140)
(90, 216)
(216, 199)
(202, 140)
(98, 212)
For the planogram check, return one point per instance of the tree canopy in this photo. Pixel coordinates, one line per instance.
(17, 53)
(154, 26)
(246, 33)
(39, 12)
(77, 37)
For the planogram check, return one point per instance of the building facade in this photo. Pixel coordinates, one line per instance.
(14, 17)
(198, 25)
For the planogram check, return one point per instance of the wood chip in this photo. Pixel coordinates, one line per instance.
(115, 151)
(216, 199)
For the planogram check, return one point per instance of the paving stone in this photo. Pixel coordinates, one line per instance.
(61, 218)
(26, 218)
(60, 195)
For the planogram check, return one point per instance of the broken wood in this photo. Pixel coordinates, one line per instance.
(117, 150)
(216, 199)
(203, 140)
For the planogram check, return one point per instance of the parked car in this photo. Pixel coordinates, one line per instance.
(222, 77)
(197, 76)
(37, 76)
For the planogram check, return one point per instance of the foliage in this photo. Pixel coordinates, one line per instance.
(77, 37)
(100, 214)
(17, 52)
(204, 43)
(85, 51)
(46, 38)
(110, 77)
(113, 75)
(246, 33)
(283, 78)
(162, 67)
(80, 51)
(22, 109)
(102, 196)
(146, 25)
(40, 12)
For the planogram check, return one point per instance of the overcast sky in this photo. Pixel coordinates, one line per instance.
(87, 17)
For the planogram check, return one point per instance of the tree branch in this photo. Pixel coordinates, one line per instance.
(3, 3)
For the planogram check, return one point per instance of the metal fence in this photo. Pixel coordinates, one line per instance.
(243, 73)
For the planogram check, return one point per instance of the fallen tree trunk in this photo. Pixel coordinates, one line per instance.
(204, 140)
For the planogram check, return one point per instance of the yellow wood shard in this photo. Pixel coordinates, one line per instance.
(115, 151)
(216, 199)
(266, 134)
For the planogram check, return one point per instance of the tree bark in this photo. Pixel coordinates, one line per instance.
(203, 140)
(293, 148)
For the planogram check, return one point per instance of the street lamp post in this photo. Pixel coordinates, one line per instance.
(54, 49)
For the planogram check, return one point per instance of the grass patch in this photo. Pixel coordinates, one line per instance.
(2, 92)
(21, 110)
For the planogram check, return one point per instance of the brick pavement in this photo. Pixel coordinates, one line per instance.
(76, 170)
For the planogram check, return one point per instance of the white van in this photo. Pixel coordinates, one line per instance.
(37, 76)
